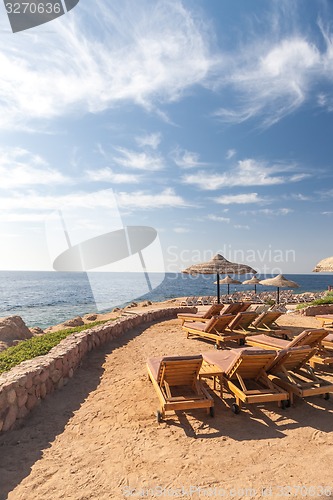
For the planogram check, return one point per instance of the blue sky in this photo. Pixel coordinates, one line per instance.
(210, 120)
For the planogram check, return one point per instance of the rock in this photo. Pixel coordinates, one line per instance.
(78, 321)
(10, 418)
(35, 330)
(132, 304)
(13, 328)
(90, 317)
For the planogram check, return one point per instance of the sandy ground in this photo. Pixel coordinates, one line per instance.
(98, 438)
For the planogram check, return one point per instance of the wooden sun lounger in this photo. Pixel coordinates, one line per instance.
(327, 341)
(215, 329)
(326, 320)
(242, 322)
(290, 371)
(244, 375)
(233, 308)
(212, 310)
(189, 301)
(204, 301)
(311, 338)
(267, 321)
(176, 381)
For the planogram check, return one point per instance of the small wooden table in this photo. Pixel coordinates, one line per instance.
(209, 370)
(326, 319)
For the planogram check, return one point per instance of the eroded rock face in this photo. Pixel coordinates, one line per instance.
(320, 309)
(13, 328)
(78, 321)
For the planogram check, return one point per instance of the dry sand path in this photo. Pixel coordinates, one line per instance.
(97, 438)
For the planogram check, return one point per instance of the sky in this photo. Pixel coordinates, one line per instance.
(210, 121)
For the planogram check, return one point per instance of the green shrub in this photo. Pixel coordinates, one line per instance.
(37, 346)
(328, 299)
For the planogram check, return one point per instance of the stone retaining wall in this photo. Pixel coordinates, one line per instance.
(25, 385)
(314, 310)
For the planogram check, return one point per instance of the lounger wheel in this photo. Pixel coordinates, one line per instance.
(285, 337)
(212, 411)
(327, 395)
(242, 342)
(158, 416)
(287, 403)
(235, 408)
(284, 404)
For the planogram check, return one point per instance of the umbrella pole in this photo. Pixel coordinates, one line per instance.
(255, 289)
(218, 288)
(228, 289)
(278, 295)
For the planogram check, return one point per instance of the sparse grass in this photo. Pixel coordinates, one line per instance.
(328, 299)
(37, 346)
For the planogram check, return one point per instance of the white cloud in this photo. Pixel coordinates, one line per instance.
(94, 60)
(247, 172)
(181, 230)
(218, 218)
(298, 177)
(21, 217)
(99, 199)
(107, 175)
(272, 79)
(19, 167)
(241, 226)
(138, 160)
(325, 101)
(299, 197)
(186, 159)
(38, 202)
(268, 211)
(239, 199)
(230, 153)
(151, 140)
(143, 200)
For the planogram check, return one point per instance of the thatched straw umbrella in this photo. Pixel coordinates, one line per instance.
(219, 265)
(228, 280)
(324, 266)
(253, 281)
(280, 282)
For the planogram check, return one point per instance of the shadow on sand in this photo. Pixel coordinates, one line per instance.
(21, 448)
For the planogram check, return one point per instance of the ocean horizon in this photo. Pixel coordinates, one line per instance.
(46, 298)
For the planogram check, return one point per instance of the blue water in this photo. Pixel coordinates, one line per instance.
(47, 298)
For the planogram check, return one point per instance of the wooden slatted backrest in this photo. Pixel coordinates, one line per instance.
(292, 359)
(179, 370)
(249, 365)
(243, 320)
(232, 308)
(311, 338)
(213, 310)
(267, 318)
(244, 306)
(221, 323)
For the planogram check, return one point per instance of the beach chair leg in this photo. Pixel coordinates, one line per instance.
(236, 408)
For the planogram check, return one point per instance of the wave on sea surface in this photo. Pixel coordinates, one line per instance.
(47, 298)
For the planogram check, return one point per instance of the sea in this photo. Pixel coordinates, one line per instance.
(45, 298)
